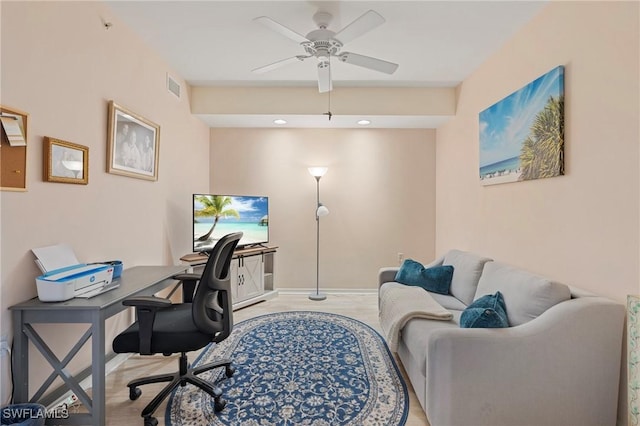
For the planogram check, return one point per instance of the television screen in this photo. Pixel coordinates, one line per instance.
(215, 216)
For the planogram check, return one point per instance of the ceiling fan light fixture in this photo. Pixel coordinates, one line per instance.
(323, 44)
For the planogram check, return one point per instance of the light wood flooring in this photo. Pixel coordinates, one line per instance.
(121, 411)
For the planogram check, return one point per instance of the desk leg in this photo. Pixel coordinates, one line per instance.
(98, 368)
(21, 359)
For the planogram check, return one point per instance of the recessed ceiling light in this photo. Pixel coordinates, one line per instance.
(364, 122)
(279, 121)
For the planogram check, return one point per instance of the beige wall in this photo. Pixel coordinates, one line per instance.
(379, 189)
(62, 66)
(581, 228)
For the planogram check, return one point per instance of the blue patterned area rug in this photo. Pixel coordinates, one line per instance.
(298, 368)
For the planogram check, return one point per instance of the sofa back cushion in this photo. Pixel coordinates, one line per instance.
(526, 295)
(467, 268)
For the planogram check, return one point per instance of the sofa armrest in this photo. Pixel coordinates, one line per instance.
(387, 274)
(560, 368)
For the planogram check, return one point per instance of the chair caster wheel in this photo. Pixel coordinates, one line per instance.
(134, 393)
(229, 370)
(219, 405)
(150, 421)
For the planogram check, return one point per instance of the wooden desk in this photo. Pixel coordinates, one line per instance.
(136, 281)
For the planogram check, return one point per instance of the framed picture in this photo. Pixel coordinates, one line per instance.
(133, 144)
(65, 162)
(522, 136)
(13, 149)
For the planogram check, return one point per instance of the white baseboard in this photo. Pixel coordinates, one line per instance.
(328, 291)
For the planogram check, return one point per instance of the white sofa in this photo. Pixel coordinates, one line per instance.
(558, 362)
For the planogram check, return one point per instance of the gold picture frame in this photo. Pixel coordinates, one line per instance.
(133, 144)
(65, 162)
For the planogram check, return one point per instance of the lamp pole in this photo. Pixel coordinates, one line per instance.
(321, 210)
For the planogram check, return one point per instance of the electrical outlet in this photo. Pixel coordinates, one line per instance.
(400, 258)
(72, 399)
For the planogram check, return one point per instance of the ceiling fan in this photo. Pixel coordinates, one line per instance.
(323, 44)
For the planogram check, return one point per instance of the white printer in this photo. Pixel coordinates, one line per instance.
(64, 277)
(73, 281)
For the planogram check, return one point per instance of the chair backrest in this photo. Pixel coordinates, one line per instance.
(211, 308)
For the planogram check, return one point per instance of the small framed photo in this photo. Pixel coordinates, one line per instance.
(133, 144)
(65, 162)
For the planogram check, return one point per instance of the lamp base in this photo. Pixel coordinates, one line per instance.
(317, 296)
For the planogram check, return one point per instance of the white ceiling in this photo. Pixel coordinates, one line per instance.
(216, 43)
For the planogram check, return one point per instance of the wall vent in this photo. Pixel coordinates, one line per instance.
(173, 86)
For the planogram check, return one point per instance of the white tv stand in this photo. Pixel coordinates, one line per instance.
(252, 274)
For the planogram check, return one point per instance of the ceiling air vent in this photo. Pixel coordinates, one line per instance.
(173, 86)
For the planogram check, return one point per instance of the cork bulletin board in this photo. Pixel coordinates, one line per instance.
(13, 149)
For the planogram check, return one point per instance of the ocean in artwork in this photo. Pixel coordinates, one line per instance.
(522, 136)
(501, 168)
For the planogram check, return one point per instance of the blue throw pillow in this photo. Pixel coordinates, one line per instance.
(486, 312)
(436, 279)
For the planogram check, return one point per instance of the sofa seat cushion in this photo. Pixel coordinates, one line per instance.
(526, 295)
(467, 268)
(417, 332)
(400, 303)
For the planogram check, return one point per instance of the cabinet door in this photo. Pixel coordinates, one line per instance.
(234, 275)
(251, 277)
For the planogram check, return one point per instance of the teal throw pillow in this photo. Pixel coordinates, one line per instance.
(436, 279)
(486, 312)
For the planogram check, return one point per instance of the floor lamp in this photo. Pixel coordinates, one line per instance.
(321, 210)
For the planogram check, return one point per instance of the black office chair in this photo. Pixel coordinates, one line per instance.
(162, 327)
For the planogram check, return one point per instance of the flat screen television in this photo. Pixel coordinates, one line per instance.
(215, 216)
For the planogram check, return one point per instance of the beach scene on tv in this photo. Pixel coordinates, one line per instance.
(215, 216)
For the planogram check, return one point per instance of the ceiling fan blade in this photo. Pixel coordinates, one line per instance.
(277, 64)
(279, 28)
(368, 62)
(366, 22)
(324, 77)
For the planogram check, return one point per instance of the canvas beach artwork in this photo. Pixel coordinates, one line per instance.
(522, 136)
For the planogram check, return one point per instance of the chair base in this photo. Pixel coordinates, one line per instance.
(182, 377)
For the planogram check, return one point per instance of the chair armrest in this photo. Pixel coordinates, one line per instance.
(146, 308)
(147, 302)
(189, 282)
(570, 348)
